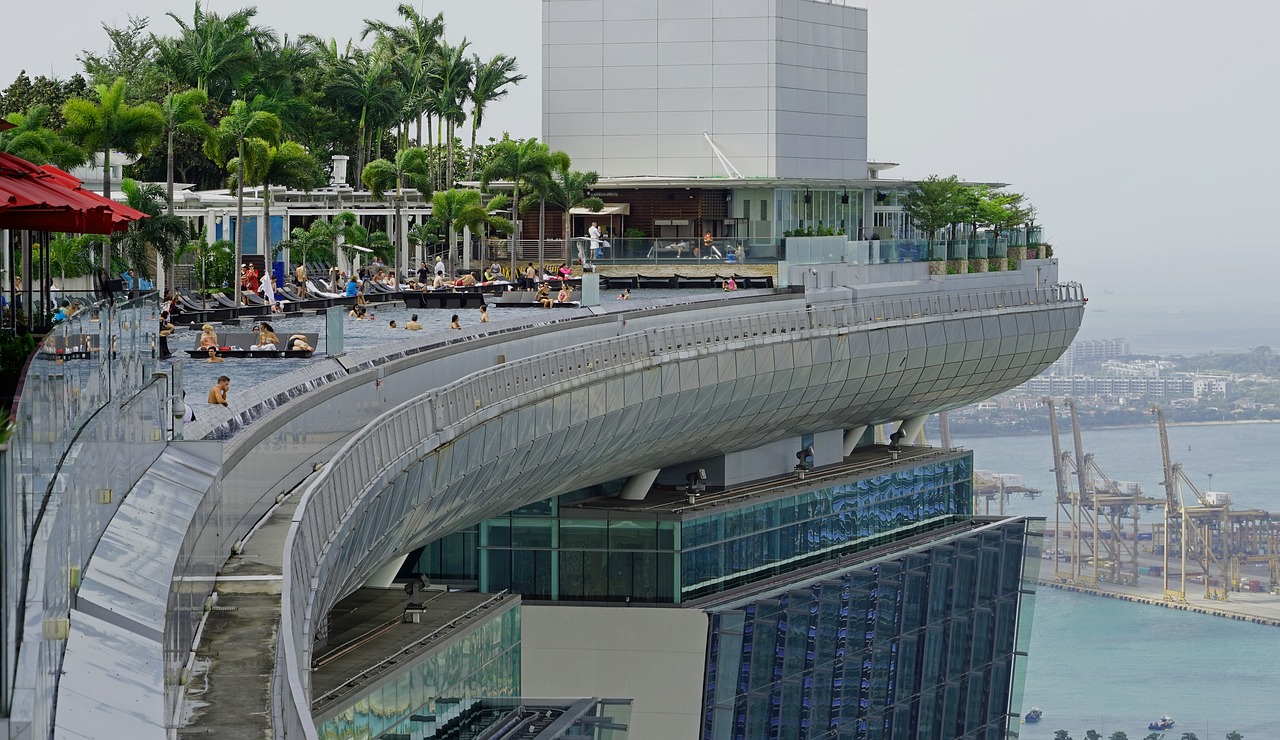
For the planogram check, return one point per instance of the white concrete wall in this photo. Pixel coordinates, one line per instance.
(780, 85)
(656, 657)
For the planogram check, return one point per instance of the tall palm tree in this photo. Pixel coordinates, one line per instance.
(517, 162)
(412, 166)
(288, 164)
(214, 54)
(227, 141)
(109, 124)
(541, 185)
(567, 189)
(183, 113)
(450, 74)
(489, 83)
(415, 41)
(155, 234)
(32, 141)
(366, 86)
(279, 75)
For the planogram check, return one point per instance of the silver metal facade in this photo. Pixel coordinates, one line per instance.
(597, 411)
(780, 86)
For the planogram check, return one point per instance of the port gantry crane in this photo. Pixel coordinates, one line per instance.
(1202, 530)
(1220, 538)
(1102, 514)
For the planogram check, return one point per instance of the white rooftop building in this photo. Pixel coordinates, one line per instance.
(700, 88)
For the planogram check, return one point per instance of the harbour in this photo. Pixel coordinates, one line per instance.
(1115, 658)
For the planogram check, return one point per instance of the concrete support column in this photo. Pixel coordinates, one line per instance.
(852, 437)
(911, 429)
(386, 575)
(638, 485)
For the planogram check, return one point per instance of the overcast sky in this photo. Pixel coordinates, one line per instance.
(1143, 131)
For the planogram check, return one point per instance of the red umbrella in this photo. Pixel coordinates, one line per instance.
(48, 199)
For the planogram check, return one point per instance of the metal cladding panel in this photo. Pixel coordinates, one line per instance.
(129, 577)
(112, 683)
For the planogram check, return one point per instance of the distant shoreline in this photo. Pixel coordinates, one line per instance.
(1130, 426)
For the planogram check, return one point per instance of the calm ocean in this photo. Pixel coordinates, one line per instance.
(1108, 665)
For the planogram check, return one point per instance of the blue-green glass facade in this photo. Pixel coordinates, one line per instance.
(727, 549)
(554, 551)
(914, 646)
(483, 663)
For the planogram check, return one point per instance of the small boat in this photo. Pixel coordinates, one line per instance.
(1033, 716)
(1164, 723)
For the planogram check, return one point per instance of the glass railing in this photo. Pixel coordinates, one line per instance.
(66, 470)
(691, 250)
(829, 250)
(641, 251)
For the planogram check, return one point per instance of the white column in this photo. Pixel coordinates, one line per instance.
(638, 485)
(851, 438)
(911, 429)
(466, 247)
(386, 575)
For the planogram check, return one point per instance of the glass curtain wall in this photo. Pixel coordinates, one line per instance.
(551, 551)
(916, 646)
(801, 212)
(482, 664)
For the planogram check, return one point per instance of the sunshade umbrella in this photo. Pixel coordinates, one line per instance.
(48, 199)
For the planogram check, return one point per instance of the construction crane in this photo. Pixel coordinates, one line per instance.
(1103, 514)
(1203, 529)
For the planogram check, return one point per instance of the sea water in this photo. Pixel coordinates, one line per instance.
(1107, 665)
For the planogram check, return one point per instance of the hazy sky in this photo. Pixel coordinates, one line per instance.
(1142, 130)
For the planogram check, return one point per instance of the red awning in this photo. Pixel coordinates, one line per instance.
(48, 199)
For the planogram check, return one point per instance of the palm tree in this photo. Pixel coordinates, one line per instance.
(183, 113)
(214, 54)
(517, 162)
(32, 141)
(366, 86)
(69, 254)
(288, 164)
(567, 189)
(484, 217)
(421, 234)
(414, 41)
(109, 124)
(450, 75)
(412, 166)
(449, 207)
(540, 185)
(489, 84)
(226, 142)
(147, 235)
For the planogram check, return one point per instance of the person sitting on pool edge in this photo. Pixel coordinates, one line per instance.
(544, 296)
